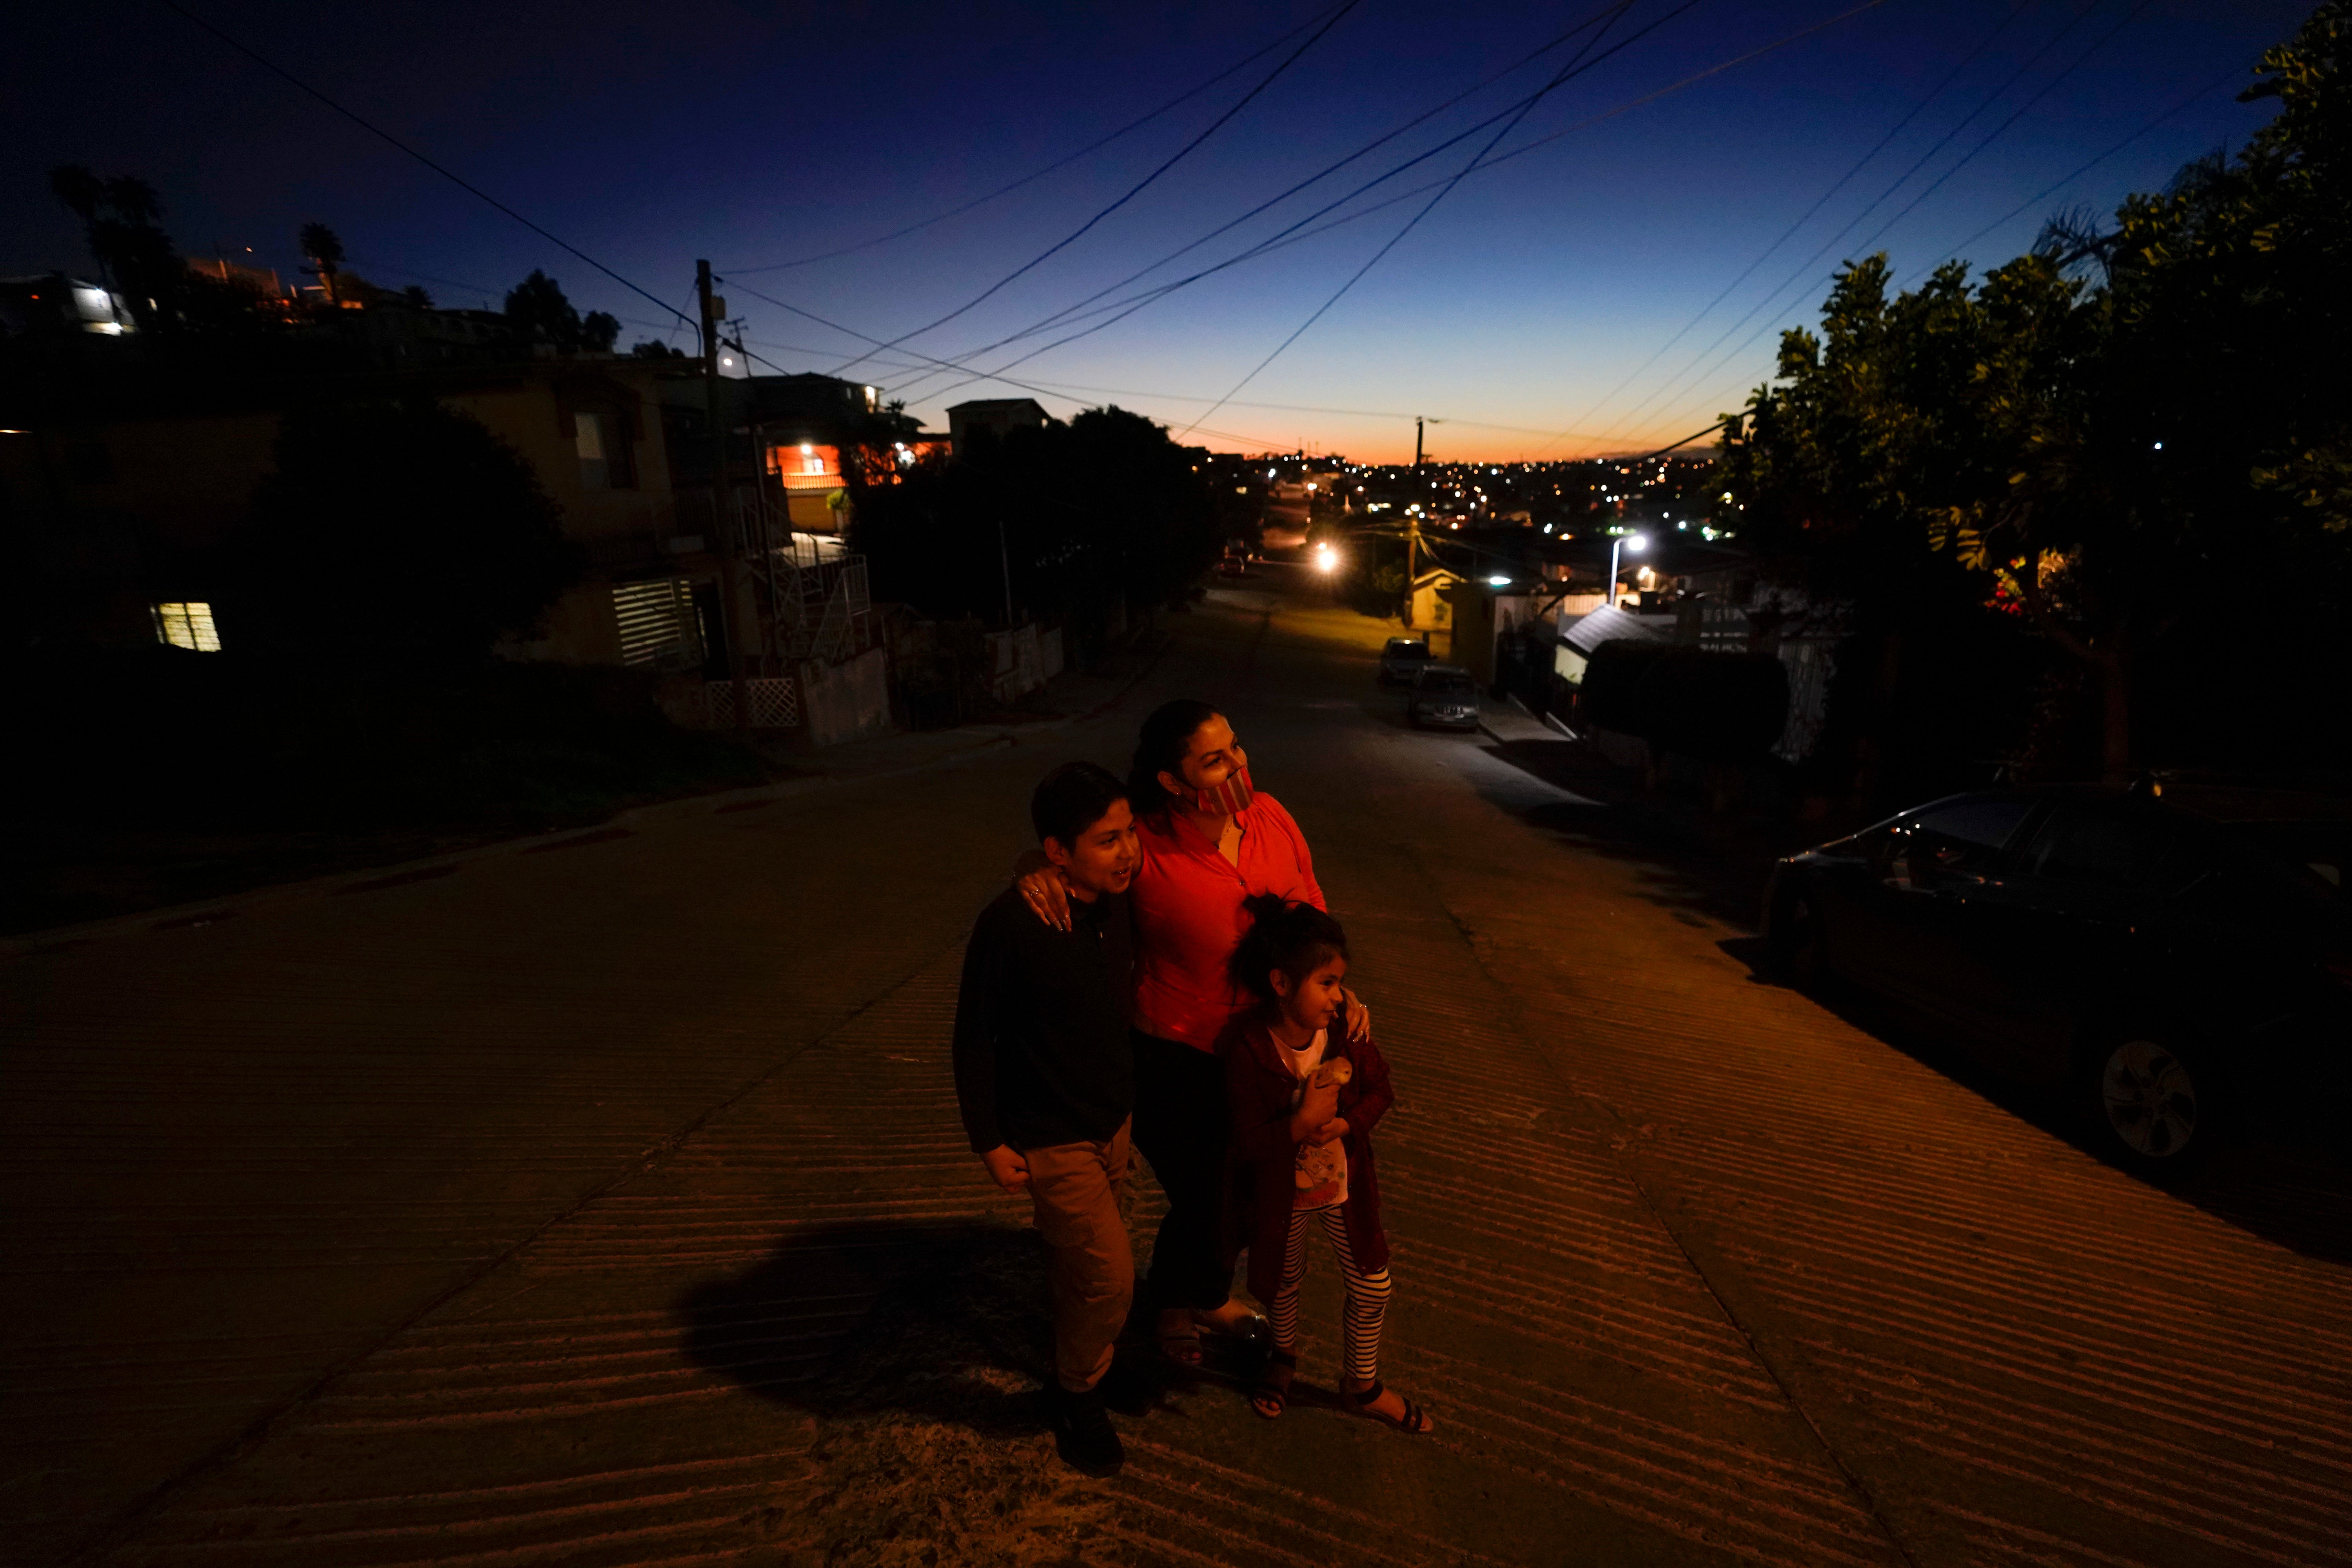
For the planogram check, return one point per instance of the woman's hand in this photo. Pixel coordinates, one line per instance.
(1043, 888)
(1356, 1018)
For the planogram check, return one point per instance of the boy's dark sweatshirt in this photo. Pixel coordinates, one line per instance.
(1041, 1043)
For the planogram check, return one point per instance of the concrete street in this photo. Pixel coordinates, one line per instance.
(604, 1203)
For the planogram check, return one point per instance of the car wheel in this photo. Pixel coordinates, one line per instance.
(1797, 942)
(2150, 1105)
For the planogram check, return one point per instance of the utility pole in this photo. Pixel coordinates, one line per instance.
(1413, 528)
(1411, 569)
(1004, 564)
(730, 578)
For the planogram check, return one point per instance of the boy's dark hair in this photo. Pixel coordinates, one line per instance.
(1160, 747)
(1298, 939)
(1071, 799)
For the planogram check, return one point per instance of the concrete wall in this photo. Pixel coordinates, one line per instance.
(848, 701)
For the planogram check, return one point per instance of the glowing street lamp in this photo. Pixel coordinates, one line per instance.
(1326, 558)
(1634, 544)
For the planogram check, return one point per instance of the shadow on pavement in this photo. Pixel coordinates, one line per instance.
(947, 1323)
(1696, 862)
(944, 1322)
(2268, 1179)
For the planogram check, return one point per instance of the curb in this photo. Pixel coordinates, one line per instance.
(209, 912)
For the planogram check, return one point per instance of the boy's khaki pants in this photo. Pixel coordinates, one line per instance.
(1075, 1189)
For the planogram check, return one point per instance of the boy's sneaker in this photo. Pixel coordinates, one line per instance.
(1083, 1434)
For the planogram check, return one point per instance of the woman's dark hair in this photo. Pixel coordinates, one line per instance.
(1071, 799)
(1160, 747)
(1298, 939)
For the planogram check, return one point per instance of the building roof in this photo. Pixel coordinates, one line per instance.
(998, 406)
(1607, 624)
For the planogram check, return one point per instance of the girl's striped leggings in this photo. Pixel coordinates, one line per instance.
(1368, 1294)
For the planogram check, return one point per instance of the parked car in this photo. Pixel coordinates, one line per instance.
(1444, 696)
(1402, 660)
(2170, 963)
(1234, 562)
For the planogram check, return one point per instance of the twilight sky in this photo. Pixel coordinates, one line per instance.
(1535, 309)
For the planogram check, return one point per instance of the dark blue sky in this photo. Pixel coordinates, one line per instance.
(1521, 310)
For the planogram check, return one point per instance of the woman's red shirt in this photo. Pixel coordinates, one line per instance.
(1187, 901)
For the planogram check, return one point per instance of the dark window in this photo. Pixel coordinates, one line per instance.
(1964, 839)
(2104, 848)
(1980, 824)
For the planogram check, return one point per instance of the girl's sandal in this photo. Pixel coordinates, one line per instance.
(1413, 1422)
(1271, 1397)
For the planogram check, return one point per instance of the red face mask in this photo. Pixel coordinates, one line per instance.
(1226, 799)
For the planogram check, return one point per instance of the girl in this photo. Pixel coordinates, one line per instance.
(1304, 1095)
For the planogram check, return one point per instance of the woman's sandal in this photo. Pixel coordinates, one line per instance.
(1250, 1328)
(1271, 1397)
(1413, 1422)
(1181, 1346)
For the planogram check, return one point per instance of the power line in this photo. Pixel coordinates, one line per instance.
(2044, 193)
(1805, 267)
(1790, 233)
(1025, 387)
(1063, 162)
(374, 130)
(1993, 135)
(1135, 190)
(1565, 73)
(1119, 311)
(1988, 140)
(1322, 174)
(1067, 388)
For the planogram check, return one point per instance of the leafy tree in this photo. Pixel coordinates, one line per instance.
(539, 313)
(1102, 507)
(325, 249)
(402, 535)
(2094, 435)
(135, 256)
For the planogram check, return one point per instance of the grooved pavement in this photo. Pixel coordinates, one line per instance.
(607, 1206)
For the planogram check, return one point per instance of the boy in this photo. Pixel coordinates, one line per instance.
(1045, 1080)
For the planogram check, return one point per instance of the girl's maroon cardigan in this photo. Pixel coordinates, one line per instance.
(1258, 1085)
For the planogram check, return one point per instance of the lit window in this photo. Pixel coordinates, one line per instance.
(187, 625)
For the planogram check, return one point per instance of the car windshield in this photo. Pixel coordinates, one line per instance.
(1445, 685)
(1408, 650)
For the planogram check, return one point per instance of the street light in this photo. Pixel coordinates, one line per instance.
(1633, 542)
(1326, 558)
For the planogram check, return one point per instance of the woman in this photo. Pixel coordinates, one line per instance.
(1210, 841)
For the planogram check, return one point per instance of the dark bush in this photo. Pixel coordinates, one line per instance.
(404, 536)
(1717, 707)
(1609, 697)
